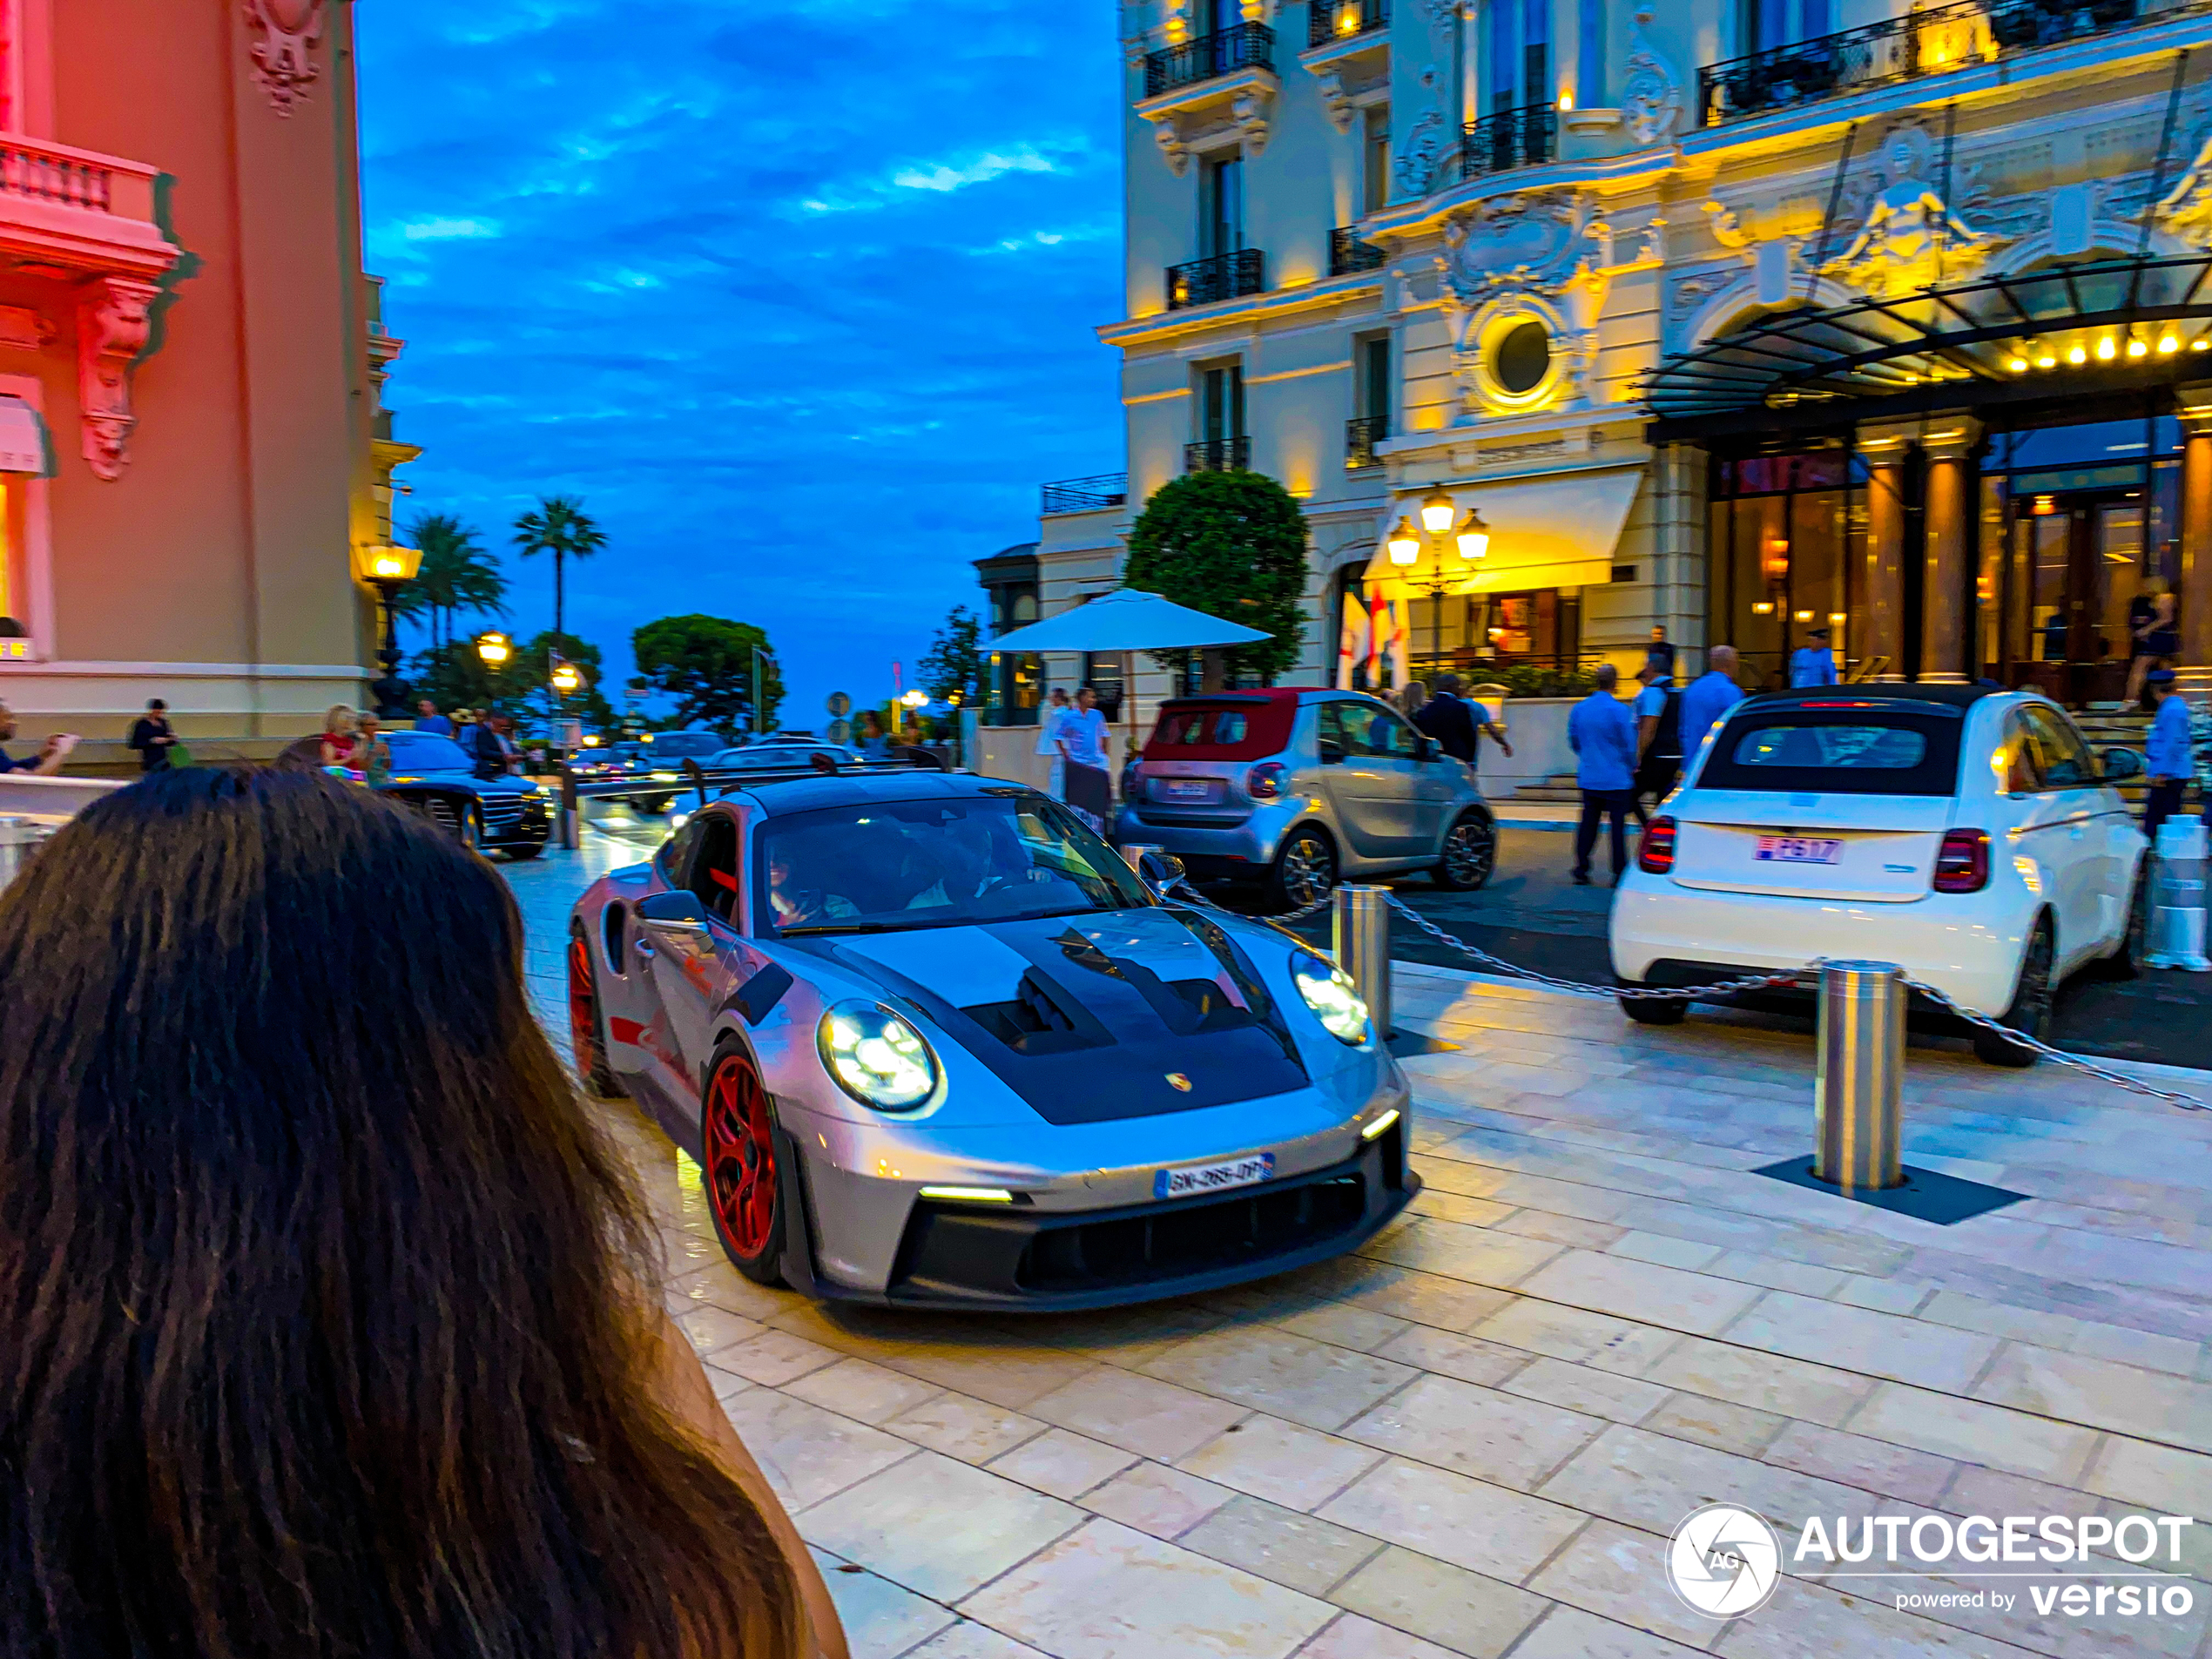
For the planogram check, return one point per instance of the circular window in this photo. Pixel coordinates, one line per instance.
(1524, 358)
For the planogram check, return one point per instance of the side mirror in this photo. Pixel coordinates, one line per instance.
(2121, 765)
(1162, 871)
(1425, 749)
(674, 912)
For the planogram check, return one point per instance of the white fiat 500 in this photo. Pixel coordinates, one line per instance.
(1968, 835)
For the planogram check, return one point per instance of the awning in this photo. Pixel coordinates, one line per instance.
(1554, 532)
(22, 438)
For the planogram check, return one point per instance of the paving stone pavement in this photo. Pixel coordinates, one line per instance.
(1474, 1437)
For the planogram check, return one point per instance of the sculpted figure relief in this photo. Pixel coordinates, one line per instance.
(1911, 236)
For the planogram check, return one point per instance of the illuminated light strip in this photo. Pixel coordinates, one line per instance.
(969, 1195)
(1379, 1124)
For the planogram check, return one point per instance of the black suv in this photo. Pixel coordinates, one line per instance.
(435, 776)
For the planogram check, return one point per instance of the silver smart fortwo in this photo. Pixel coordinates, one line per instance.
(934, 1044)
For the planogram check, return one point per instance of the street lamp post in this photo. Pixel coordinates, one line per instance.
(388, 567)
(1406, 546)
(759, 656)
(566, 679)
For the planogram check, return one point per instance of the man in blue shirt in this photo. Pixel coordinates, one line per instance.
(2169, 760)
(1812, 663)
(45, 763)
(427, 719)
(1658, 713)
(1707, 699)
(1603, 733)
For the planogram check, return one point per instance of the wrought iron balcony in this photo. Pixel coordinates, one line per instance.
(1330, 21)
(1085, 494)
(1246, 46)
(1361, 434)
(1926, 42)
(1510, 138)
(1225, 276)
(1348, 254)
(1218, 454)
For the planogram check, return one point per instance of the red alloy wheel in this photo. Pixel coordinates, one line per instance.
(740, 1158)
(583, 1016)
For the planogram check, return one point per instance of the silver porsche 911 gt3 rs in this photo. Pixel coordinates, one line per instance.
(934, 1044)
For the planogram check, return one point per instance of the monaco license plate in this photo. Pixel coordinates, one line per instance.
(1798, 849)
(1186, 788)
(1214, 1177)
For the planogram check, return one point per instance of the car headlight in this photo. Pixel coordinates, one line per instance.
(666, 777)
(877, 1057)
(1336, 1002)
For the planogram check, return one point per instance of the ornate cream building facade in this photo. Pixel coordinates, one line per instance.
(1738, 318)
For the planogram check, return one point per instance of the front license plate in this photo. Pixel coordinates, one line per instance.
(1798, 849)
(1187, 788)
(1214, 1177)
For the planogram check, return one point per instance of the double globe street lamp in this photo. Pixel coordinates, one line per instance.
(1405, 545)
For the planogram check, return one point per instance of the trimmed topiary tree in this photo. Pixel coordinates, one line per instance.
(1231, 544)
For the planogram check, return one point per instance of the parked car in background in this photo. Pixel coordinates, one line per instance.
(660, 759)
(1299, 788)
(934, 1044)
(1968, 835)
(433, 775)
(772, 753)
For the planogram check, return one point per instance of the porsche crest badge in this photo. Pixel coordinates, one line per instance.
(1178, 1082)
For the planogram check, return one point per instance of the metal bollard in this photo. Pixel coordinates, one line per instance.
(2173, 931)
(1134, 853)
(1362, 916)
(566, 825)
(1856, 1110)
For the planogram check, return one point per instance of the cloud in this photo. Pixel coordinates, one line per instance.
(606, 266)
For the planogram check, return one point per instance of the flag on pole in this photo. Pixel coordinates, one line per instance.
(1400, 640)
(1352, 641)
(1386, 645)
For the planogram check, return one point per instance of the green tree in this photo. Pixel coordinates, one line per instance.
(457, 575)
(1231, 544)
(956, 668)
(558, 525)
(453, 677)
(705, 663)
(532, 668)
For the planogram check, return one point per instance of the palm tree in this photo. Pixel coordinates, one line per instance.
(561, 527)
(457, 575)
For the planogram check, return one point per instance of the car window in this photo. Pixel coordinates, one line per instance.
(1336, 731)
(2023, 765)
(714, 866)
(1840, 751)
(675, 854)
(1831, 747)
(426, 752)
(1381, 733)
(2061, 755)
(682, 745)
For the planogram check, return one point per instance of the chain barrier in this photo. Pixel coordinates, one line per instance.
(2020, 1039)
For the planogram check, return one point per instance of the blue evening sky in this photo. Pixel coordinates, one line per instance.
(797, 297)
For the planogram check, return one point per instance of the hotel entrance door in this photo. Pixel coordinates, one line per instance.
(2076, 563)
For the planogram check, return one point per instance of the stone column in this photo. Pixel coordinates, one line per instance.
(1885, 450)
(2194, 592)
(1948, 447)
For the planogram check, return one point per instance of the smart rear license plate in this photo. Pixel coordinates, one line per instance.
(1798, 849)
(1214, 1177)
(1187, 788)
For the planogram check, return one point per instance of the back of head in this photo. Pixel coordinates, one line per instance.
(322, 1292)
(1607, 676)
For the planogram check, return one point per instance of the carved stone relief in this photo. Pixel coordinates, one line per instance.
(1415, 164)
(285, 36)
(1651, 96)
(114, 317)
(1546, 257)
(1910, 236)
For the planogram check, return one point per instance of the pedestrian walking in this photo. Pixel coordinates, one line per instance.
(1057, 708)
(46, 762)
(338, 726)
(1658, 712)
(494, 749)
(1413, 697)
(1090, 777)
(1813, 663)
(874, 743)
(1603, 733)
(1458, 724)
(2169, 759)
(427, 719)
(324, 1344)
(1659, 651)
(151, 736)
(1707, 699)
(2154, 640)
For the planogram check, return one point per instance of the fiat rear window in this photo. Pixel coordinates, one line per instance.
(1852, 752)
(1238, 730)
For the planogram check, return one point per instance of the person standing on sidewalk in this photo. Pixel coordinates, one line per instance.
(151, 736)
(46, 762)
(2169, 760)
(1055, 711)
(1707, 699)
(1456, 724)
(427, 719)
(1813, 663)
(1658, 711)
(1603, 736)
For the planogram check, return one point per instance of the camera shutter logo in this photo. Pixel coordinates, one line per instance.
(1723, 1561)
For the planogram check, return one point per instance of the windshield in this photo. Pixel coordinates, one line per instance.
(1837, 751)
(936, 864)
(682, 745)
(426, 752)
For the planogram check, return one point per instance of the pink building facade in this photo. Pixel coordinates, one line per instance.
(192, 446)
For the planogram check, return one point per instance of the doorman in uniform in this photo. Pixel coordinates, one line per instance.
(1658, 713)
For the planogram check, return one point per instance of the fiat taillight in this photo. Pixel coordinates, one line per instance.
(1962, 862)
(1265, 781)
(1655, 852)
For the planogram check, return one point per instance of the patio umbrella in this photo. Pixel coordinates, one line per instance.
(1129, 621)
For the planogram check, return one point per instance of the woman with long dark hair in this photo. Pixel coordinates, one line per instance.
(332, 1326)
